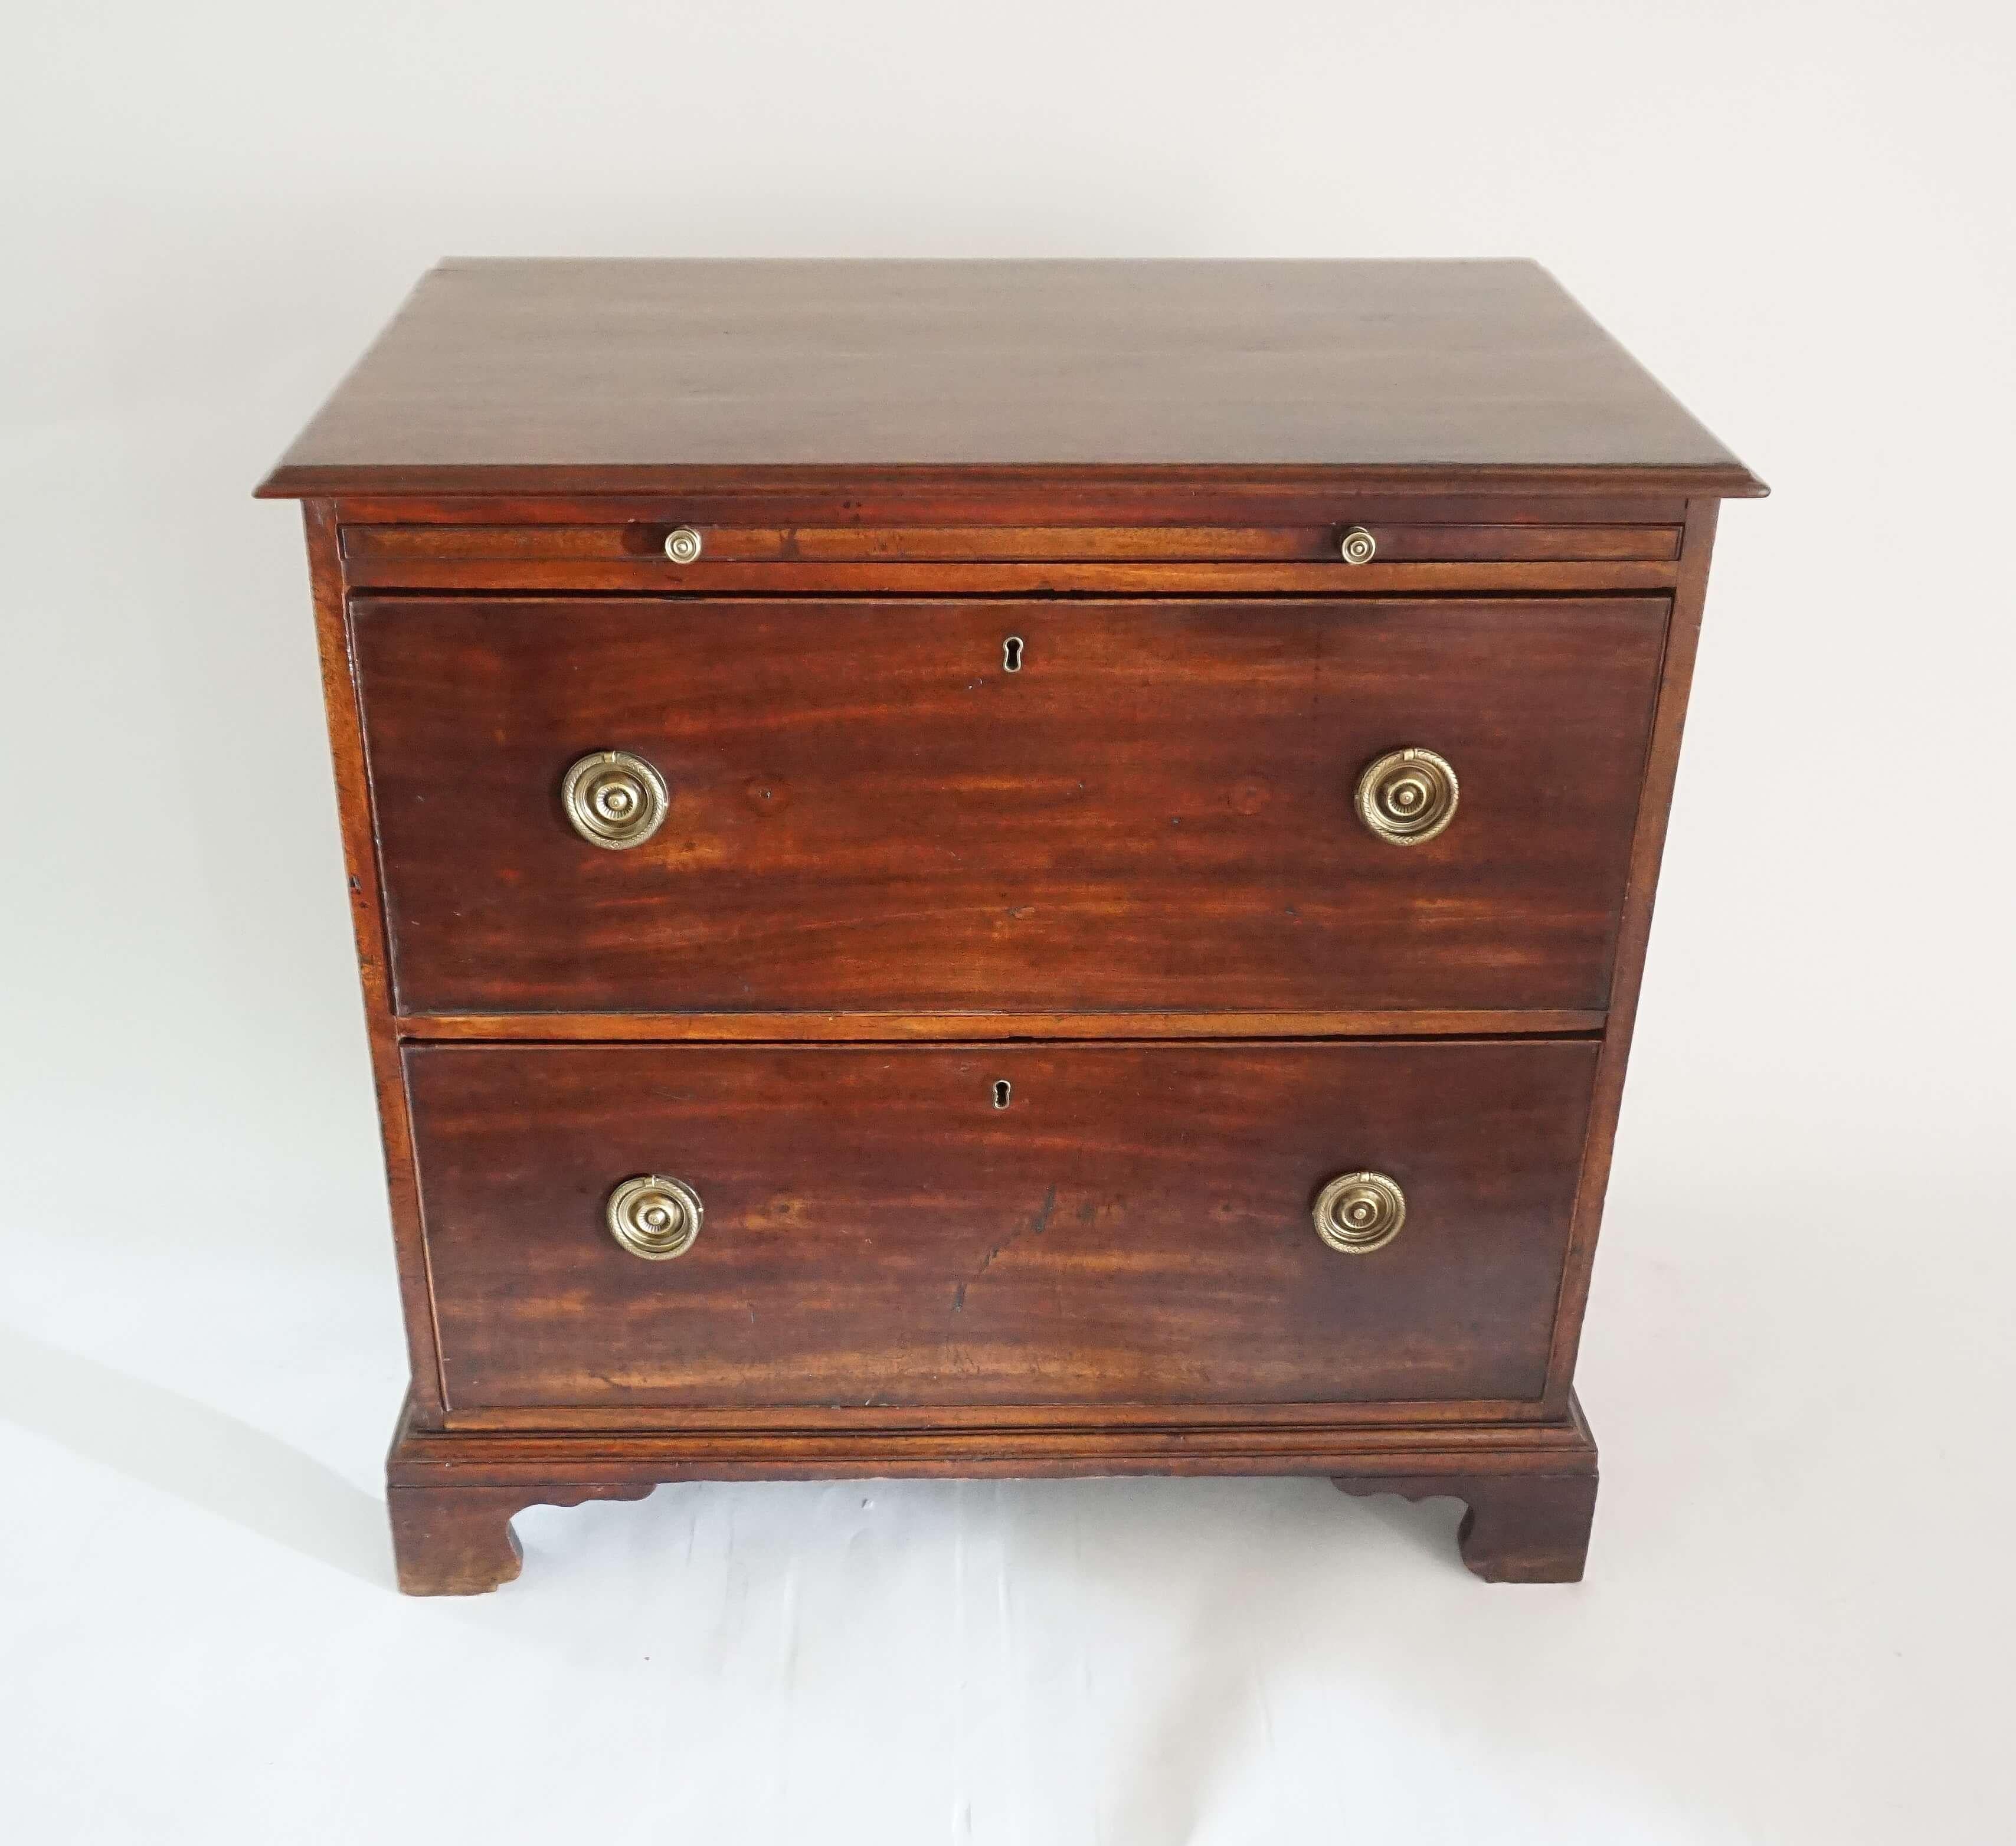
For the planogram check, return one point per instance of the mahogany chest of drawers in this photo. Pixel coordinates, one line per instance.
(999, 868)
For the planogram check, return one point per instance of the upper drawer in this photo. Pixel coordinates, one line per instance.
(866, 809)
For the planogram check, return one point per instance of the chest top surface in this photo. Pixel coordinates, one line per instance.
(588, 376)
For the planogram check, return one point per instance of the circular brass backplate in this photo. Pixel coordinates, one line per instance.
(1360, 1212)
(653, 1216)
(615, 800)
(1407, 796)
(683, 545)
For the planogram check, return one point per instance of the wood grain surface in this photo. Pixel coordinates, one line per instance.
(369, 548)
(868, 810)
(1007, 1024)
(1133, 1226)
(1530, 1487)
(609, 377)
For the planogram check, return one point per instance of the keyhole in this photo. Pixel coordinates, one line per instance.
(1011, 653)
(1002, 1092)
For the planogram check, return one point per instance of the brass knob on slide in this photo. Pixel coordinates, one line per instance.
(1358, 1213)
(683, 545)
(1357, 546)
(654, 1217)
(1407, 796)
(614, 799)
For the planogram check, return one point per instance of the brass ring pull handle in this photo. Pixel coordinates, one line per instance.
(1357, 546)
(683, 545)
(1407, 796)
(614, 799)
(1360, 1212)
(654, 1217)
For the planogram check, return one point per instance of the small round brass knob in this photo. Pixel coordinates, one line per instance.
(1407, 795)
(654, 1217)
(614, 799)
(1357, 546)
(683, 544)
(1360, 1212)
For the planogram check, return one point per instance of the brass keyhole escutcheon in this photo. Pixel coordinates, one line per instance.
(1011, 654)
(1407, 796)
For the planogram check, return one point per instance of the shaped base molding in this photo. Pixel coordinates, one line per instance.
(1518, 1528)
(1530, 1487)
(457, 1541)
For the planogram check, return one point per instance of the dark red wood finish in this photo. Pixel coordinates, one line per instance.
(869, 811)
(602, 377)
(1530, 1487)
(1129, 882)
(1133, 1226)
(386, 552)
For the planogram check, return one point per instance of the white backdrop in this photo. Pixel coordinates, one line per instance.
(1796, 1624)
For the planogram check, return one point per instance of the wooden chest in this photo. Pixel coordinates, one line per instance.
(999, 868)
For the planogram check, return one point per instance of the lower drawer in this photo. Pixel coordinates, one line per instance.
(901, 1227)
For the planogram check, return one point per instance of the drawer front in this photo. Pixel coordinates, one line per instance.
(886, 1227)
(867, 810)
(367, 548)
(1393, 548)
